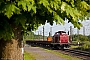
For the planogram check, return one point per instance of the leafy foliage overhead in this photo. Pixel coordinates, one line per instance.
(29, 14)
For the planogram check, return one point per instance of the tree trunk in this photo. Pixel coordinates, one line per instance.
(12, 49)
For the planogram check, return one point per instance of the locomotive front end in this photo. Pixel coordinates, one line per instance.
(60, 40)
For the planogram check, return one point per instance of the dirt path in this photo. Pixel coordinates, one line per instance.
(41, 54)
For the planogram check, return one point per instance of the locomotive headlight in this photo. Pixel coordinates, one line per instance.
(60, 41)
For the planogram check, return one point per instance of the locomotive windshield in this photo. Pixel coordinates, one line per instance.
(57, 33)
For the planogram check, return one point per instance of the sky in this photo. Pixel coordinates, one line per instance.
(65, 27)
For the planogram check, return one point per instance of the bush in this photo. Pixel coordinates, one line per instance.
(85, 46)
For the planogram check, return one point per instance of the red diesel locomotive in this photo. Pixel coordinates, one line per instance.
(59, 40)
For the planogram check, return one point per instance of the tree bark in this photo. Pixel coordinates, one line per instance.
(12, 49)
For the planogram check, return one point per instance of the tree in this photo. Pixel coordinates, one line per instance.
(29, 36)
(19, 16)
(80, 37)
(88, 37)
(83, 38)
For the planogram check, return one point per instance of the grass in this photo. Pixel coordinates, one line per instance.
(28, 56)
(73, 47)
(67, 57)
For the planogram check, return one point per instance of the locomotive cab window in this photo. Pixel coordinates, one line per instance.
(57, 33)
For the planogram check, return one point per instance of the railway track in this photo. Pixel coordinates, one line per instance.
(78, 53)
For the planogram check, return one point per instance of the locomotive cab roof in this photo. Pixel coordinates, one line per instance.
(61, 32)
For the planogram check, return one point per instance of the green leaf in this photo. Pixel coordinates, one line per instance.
(10, 9)
(34, 9)
(29, 7)
(44, 2)
(23, 4)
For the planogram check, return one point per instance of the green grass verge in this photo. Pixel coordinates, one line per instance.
(67, 57)
(73, 47)
(28, 56)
